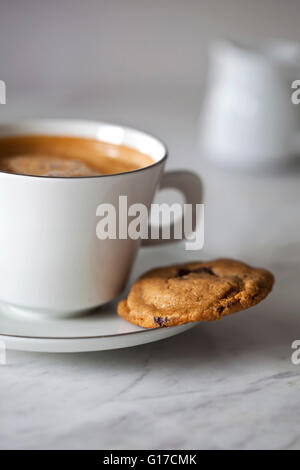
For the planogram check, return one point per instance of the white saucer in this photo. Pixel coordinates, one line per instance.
(101, 329)
(96, 331)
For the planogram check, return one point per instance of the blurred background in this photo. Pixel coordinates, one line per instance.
(146, 64)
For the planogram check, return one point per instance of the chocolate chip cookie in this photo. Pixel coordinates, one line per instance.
(199, 291)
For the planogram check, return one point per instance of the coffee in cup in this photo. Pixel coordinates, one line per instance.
(67, 156)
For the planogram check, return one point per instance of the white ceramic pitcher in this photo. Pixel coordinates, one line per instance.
(248, 118)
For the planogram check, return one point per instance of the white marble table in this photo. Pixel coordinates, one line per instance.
(229, 384)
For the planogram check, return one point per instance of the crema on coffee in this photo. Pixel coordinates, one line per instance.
(63, 156)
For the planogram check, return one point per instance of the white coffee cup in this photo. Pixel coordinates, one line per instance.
(51, 260)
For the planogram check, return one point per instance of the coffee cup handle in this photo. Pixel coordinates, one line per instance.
(190, 185)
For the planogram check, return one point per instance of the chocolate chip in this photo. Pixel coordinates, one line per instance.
(204, 270)
(160, 321)
(184, 272)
